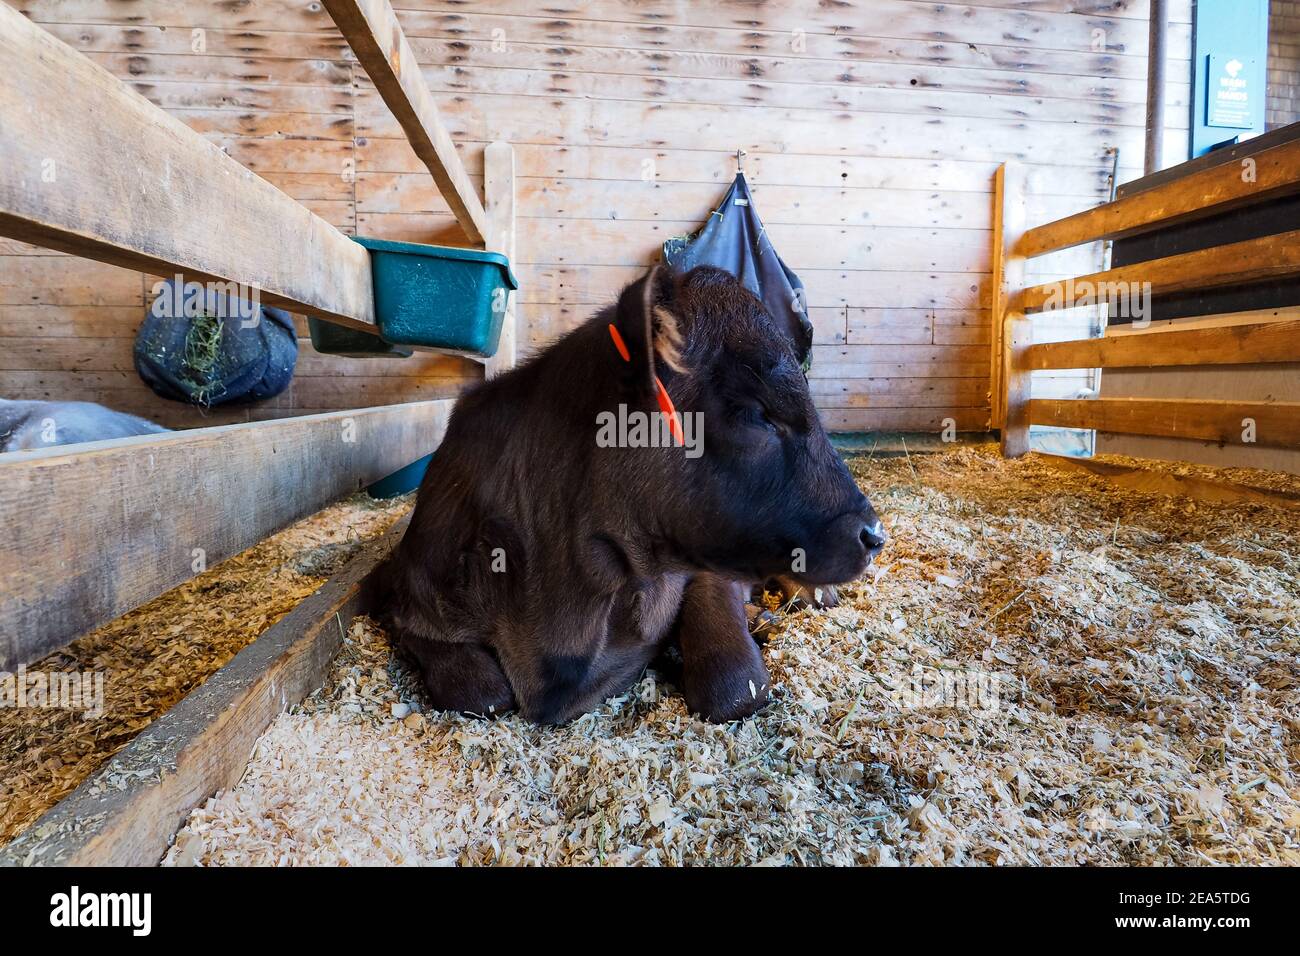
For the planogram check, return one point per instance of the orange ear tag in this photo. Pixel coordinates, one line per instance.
(619, 343)
(665, 401)
(674, 420)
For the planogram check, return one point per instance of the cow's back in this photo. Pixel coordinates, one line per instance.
(27, 425)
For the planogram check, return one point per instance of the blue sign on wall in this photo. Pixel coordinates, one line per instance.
(1230, 62)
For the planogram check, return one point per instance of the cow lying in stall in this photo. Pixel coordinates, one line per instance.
(543, 572)
(27, 425)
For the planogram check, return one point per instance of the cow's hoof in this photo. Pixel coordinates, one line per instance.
(727, 691)
(762, 623)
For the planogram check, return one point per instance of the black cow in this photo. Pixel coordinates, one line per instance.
(543, 570)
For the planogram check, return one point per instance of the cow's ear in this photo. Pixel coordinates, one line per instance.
(648, 328)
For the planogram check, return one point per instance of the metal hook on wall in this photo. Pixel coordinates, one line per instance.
(740, 161)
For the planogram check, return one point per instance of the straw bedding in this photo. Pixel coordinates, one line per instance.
(1121, 687)
(158, 653)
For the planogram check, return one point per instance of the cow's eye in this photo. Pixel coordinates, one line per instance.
(755, 415)
(766, 419)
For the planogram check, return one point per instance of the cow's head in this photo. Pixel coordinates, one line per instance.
(768, 495)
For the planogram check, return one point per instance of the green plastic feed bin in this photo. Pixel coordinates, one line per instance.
(431, 297)
(401, 481)
(330, 339)
(439, 297)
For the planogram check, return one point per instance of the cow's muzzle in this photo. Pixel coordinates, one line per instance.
(848, 545)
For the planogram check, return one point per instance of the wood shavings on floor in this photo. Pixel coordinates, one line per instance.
(158, 653)
(1041, 669)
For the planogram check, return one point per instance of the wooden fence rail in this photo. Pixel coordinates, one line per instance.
(1239, 263)
(1269, 424)
(95, 530)
(1260, 342)
(90, 167)
(1271, 174)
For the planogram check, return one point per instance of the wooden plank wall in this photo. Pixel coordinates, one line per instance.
(873, 128)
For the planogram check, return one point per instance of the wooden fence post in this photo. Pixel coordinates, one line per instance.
(499, 196)
(1012, 331)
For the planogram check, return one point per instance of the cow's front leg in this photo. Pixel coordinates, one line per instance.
(722, 670)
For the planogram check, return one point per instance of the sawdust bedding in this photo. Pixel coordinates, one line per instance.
(1122, 689)
(158, 653)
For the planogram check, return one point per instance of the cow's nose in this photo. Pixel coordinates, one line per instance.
(873, 536)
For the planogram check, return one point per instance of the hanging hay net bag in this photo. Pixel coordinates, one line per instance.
(205, 347)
